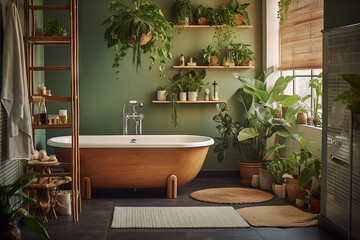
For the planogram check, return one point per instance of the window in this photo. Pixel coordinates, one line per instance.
(301, 86)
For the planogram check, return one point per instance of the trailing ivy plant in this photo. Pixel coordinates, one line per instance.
(182, 10)
(283, 8)
(130, 24)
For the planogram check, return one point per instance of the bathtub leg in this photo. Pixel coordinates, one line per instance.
(85, 188)
(172, 186)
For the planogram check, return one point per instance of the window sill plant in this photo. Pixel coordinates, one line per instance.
(10, 210)
(131, 24)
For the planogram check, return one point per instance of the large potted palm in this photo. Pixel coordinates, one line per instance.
(12, 203)
(258, 123)
(141, 27)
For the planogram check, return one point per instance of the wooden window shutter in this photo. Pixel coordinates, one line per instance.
(301, 37)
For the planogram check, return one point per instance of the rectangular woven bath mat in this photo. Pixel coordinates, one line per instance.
(177, 217)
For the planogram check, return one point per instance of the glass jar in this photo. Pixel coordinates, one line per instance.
(63, 116)
(53, 119)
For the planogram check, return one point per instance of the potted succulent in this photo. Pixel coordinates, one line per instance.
(195, 84)
(180, 84)
(141, 27)
(54, 28)
(202, 14)
(10, 208)
(242, 16)
(210, 55)
(182, 11)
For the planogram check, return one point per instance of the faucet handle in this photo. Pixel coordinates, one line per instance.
(141, 116)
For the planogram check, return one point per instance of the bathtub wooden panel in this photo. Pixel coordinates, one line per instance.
(137, 168)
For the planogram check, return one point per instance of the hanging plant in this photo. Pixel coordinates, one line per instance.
(141, 27)
(283, 8)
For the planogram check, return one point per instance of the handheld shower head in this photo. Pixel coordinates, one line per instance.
(135, 103)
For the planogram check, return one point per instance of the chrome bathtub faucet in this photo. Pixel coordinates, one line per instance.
(137, 118)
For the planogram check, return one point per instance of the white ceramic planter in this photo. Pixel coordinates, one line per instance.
(300, 203)
(182, 96)
(161, 95)
(192, 96)
(279, 190)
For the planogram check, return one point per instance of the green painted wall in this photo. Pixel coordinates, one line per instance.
(102, 96)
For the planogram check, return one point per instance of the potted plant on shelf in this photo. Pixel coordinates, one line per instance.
(54, 28)
(203, 14)
(182, 11)
(248, 56)
(224, 16)
(180, 84)
(239, 51)
(195, 84)
(210, 55)
(141, 27)
(161, 93)
(242, 16)
(10, 208)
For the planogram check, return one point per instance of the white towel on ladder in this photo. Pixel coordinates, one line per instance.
(14, 94)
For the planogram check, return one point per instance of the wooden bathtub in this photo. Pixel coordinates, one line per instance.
(136, 161)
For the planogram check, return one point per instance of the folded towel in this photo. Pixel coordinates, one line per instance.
(14, 94)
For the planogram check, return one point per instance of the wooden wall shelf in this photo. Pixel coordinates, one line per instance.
(192, 102)
(211, 26)
(52, 126)
(213, 67)
(53, 98)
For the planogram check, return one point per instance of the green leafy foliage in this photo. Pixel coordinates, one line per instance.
(351, 97)
(180, 82)
(54, 28)
(196, 82)
(174, 106)
(182, 10)
(224, 16)
(283, 8)
(241, 9)
(205, 54)
(9, 211)
(129, 24)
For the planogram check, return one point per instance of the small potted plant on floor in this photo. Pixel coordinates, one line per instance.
(210, 55)
(141, 27)
(195, 84)
(11, 208)
(242, 16)
(182, 11)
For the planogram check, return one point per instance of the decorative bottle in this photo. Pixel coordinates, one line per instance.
(36, 111)
(182, 60)
(215, 91)
(43, 112)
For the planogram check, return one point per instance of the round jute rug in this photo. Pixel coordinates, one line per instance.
(231, 195)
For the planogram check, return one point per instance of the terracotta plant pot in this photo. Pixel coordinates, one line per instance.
(202, 21)
(248, 63)
(279, 190)
(301, 118)
(213, 61)
(266, 180)
(10, 231)
(293, 189)
(315, 204)
(300, 203)
(239, 19)
(247, 170)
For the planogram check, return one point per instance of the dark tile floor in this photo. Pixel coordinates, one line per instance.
(96, 217)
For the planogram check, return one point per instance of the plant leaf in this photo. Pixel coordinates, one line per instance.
(247, 133)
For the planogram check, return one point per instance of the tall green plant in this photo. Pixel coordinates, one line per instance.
(196, 82)
(129, 24)
(9, 210)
